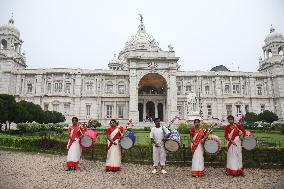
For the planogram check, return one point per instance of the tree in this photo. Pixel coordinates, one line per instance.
(28, 111)
(250, 119)
(23, 111)
(7, 109)
(53, 117)
(267, 116)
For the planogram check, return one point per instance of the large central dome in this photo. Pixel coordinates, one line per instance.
(141, 41)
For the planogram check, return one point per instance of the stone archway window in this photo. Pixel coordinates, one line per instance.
(3, 44)
(269, 53)
(280, 51)
(89, 86)
(121, 88)
(188, 88)
(259, 89)
(58, 86)
(109, 87)
(207, 89)
(109, 109)
(30, 88)
(152, 84)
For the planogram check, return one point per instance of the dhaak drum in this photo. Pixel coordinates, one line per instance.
(212, 144)
(128, 140)
(89, 137)
(172, 143)
(249, 142)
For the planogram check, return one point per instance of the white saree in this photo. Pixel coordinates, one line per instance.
(197, 159)
(113, 161)
(234, 156)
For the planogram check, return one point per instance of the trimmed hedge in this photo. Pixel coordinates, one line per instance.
(38, 127)
(139, 153)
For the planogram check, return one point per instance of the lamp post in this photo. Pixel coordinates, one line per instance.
(200, 104)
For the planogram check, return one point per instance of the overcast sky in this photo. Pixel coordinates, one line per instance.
(86, 33)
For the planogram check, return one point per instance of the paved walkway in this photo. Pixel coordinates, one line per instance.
(26, 171)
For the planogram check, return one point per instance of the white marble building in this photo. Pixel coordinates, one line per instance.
(144, 82)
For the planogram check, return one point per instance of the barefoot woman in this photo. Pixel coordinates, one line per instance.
(114, 133)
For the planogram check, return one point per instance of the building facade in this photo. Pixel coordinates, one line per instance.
(143, 82)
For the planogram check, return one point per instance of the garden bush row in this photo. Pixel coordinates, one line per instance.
(139, 153)
(37, 127)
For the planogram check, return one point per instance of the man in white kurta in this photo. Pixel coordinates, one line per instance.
(157, 135)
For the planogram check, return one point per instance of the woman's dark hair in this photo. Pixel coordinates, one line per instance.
(112, 120)
(196, 120)
(75, 118)
(230, 117)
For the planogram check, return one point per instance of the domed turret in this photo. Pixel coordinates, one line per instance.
(10, 28)
(273, 36)
(114, 63)
(11, 44)
(272, 51)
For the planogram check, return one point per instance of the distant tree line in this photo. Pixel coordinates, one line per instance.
(23, 111)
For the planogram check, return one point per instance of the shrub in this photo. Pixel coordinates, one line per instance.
(94, 124)
(279, 126)
(146, 129)
(267, 116)
(37, 127)
(204, 125)
(139, 153)
(250, 119)
(183, 128)
(53, 117)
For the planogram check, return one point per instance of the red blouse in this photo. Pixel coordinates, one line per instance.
(110, 130)
(228, 130)
(77, 130)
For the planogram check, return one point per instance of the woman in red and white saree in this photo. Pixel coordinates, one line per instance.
(114, 133)
(234, 134)
(75, 132)
(197, 137)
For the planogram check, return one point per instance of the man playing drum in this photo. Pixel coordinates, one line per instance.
(114, 134)
(234, 134)
(75, 132)
(197, 137)
(158, 135)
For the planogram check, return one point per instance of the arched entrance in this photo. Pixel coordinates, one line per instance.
(150, 111)
(152, 95)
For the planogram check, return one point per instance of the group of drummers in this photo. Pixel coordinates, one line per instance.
(163, 139)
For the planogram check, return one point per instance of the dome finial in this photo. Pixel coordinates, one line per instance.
(11, 21)
(271, 29)
(141, 18)
(141, 26)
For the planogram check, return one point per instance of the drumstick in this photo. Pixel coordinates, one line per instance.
(129, 122)
(172, 121)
